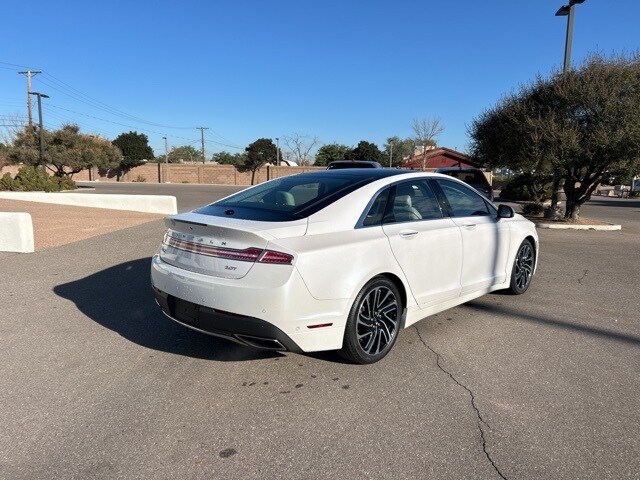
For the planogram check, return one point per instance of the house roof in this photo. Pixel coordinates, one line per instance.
(440, 157)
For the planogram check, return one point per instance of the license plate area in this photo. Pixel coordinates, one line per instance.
(186, 312)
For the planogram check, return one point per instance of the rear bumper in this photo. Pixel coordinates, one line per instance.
(249, 331)
(268, 308)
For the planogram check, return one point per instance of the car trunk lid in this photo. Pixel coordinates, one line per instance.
(225, 247)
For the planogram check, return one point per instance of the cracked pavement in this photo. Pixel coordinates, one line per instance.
(481, 421)
(96, 383)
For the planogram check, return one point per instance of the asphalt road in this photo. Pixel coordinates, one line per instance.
(189, 196)
(96, 383)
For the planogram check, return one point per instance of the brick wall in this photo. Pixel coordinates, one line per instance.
(182, 173)
(192, 173)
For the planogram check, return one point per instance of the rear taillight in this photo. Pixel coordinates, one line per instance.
(271, 256)
(246, 255)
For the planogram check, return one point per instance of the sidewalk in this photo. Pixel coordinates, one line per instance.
(55, 225)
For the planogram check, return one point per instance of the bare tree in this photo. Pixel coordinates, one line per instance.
(425, 131)
(11, 126)
(299, 147)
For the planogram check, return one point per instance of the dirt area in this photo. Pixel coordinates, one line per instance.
(55, 225)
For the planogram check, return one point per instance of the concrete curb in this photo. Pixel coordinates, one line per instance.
(16, 232)
(162, 204)
(560, 226)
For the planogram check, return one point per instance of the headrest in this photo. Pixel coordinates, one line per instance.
(402, 201)
(285, 198)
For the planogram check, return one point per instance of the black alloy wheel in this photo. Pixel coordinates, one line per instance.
(523, 266)
(373, 323)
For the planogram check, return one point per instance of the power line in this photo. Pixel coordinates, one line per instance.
(64, 88)
(80, 96)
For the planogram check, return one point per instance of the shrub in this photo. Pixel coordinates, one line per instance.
(35, 179)
(532, 209)
(528, 187)
(63, 183)
(140, 178)
(635, 193)
(5, 182)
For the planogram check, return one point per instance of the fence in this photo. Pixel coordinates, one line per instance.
(181, 173)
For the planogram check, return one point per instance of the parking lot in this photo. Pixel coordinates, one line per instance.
(96, 383)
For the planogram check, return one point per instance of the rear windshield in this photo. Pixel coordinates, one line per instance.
(468, 177)
(287, 198)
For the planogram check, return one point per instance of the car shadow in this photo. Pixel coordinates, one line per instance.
(514, 314)
(120, 299)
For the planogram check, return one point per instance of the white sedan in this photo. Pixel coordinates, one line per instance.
(338, 259)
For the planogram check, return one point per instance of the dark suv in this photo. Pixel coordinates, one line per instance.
(471, 176)
(352, 164)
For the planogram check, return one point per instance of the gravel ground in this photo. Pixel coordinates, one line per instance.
(56, 225)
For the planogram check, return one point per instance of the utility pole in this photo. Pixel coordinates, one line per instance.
(29, 74)
(40, 95)
(166, 159)
(277, 151)
(391, 155)
(202, 129)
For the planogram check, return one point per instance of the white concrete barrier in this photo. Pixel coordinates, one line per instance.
(16, 232)
(162, 204)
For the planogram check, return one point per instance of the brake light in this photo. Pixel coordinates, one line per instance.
(247, 255)
(271, 256)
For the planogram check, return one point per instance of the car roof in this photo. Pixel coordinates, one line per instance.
(355, 163)
(361, 172)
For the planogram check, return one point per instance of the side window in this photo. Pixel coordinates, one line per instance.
(376, 211)
(463, 201)
(412, 201)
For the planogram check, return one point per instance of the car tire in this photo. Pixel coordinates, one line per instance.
(373, 322)
(522, 271)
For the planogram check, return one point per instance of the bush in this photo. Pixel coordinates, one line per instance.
(532, 209)
(35, 179)
(634, 194)
(528, 187)
(5, 182)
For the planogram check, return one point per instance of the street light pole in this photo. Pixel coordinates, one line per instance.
(40, 95)
(277, 151)
(567, 11)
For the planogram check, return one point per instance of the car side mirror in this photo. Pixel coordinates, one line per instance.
(505, 211)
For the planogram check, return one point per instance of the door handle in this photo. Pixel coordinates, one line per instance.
(408, 233)
(469, 226)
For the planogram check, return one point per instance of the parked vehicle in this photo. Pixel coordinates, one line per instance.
(471, 176)
(352, 164)
(338, 259)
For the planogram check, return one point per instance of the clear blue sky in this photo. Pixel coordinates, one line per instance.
(340, 70)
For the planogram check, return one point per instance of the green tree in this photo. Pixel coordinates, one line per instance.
(135, 150)
(67, 150)
(580, 124)
(365, 151)
(259, 153)
(227, 158)
(330, 152)
(185, 153)
(401, 149)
